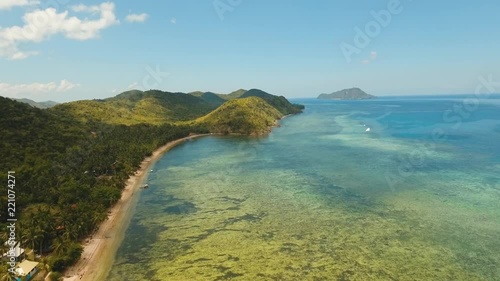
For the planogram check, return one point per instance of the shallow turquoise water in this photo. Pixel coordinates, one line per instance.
(415, 198)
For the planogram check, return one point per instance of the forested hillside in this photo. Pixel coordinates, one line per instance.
(233, 95)
(209, 97)
(68, 173)
(280, 103)
(71, 161)
(248, 116)
(136, 107)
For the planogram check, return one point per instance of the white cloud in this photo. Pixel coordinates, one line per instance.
(85, 9)
(133, 86)
(39, 25)
(66, 85)
(33, 89)
(8, 4)
(173, 21)
(373, 56)
(137, 17)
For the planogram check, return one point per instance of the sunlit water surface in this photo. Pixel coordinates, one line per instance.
(415, 198)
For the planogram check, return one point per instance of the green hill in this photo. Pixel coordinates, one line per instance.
(249, 116)
(43, 104)
(196, 93)
(136, 107)
(209, 97)
(279, 102)
(233, 95)
(23, 128)
(248, 112)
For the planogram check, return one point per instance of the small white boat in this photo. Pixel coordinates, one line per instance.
(145, 186)
(368, 130)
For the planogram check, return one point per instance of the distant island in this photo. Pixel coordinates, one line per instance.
(347, 94)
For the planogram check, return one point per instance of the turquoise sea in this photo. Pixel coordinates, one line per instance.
(415, 197)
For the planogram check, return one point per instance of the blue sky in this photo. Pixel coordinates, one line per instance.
(94, 49)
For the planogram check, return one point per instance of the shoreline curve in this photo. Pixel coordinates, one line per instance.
(100, 248)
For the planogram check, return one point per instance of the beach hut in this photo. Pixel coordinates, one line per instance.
(26, 269)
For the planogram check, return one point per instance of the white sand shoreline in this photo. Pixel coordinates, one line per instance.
(99, 250)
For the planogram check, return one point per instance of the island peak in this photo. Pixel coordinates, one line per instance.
(347, 94)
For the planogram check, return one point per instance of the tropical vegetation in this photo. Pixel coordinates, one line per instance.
(71, 161)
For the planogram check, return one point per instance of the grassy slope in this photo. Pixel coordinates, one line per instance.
(233, 95)
(250, 115)
(209, 97)
(135, 107)
(279, 102)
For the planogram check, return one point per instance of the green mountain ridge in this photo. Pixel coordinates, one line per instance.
(158, 107)
(209, 97)
(136, 107)
(233, 95)
(279, 102)
(42, 104)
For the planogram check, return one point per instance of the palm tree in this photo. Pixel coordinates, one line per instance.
(45, 226)
(30, 236)
(41, 237)
(97, 218)
(60, 245)
(22, 237)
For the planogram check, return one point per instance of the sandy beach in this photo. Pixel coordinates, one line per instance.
(99, 249)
